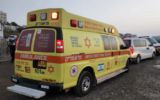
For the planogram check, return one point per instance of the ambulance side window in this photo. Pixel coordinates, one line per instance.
(113, 43)
(106, 43)
(121, 42)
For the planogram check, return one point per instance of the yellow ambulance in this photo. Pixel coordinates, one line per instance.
(59, 51)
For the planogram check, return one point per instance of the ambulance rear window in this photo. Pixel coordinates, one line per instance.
(44, 41)
(25, 40)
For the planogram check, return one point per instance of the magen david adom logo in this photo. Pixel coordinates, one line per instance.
(73, 70)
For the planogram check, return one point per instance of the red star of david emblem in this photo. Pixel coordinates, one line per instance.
(88, 41)
(108, 68)
(108, 63)
(50, 69)
(116, 62)
(27, 69)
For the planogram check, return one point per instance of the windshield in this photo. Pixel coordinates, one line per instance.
(152, 40)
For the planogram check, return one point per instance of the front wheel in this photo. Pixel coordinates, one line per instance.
(84, 84)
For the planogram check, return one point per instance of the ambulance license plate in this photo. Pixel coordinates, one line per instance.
(42, 64)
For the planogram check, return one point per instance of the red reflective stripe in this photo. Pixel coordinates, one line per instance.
(70, 58)
(124, 52)
(116, 53)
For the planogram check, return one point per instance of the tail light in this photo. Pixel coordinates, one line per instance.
(17, 42)
(59, 45)
(131, 50)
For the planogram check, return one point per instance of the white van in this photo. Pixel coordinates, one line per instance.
(140, 48)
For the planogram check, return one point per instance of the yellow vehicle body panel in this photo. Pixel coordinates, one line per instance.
(83, 47)
(94, 54)
(64, 21)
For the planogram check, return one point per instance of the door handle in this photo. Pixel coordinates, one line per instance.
(147, 48)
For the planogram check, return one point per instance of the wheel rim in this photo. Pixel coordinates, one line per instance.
(153, 55)
(86, 83)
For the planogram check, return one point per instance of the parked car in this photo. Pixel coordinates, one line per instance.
(154, 42)
(12, 37)
(140, 48)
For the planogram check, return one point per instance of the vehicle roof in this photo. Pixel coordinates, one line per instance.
(64, 21)
(134, 38)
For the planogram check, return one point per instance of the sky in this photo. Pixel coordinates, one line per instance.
(140, 17)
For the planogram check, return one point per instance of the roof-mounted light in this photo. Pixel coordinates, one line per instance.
(80, 24)
(105, 29)
(112, 31)
(54, 15)
(33, 17)
(43, 16)
(73, 23)
(109, 30)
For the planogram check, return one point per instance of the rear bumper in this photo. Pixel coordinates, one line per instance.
(56, 87)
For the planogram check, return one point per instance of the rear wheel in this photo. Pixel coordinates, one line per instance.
(138, 59)
(84, 84)
(153, 56)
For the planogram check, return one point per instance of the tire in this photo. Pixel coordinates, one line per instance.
(153, 56)
(138, 59)
(84, 84)
(127, 66)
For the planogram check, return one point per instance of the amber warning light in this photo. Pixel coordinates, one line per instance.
(112, 30)
(54, 15)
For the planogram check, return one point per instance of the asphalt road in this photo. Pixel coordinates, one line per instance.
(141, 83)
